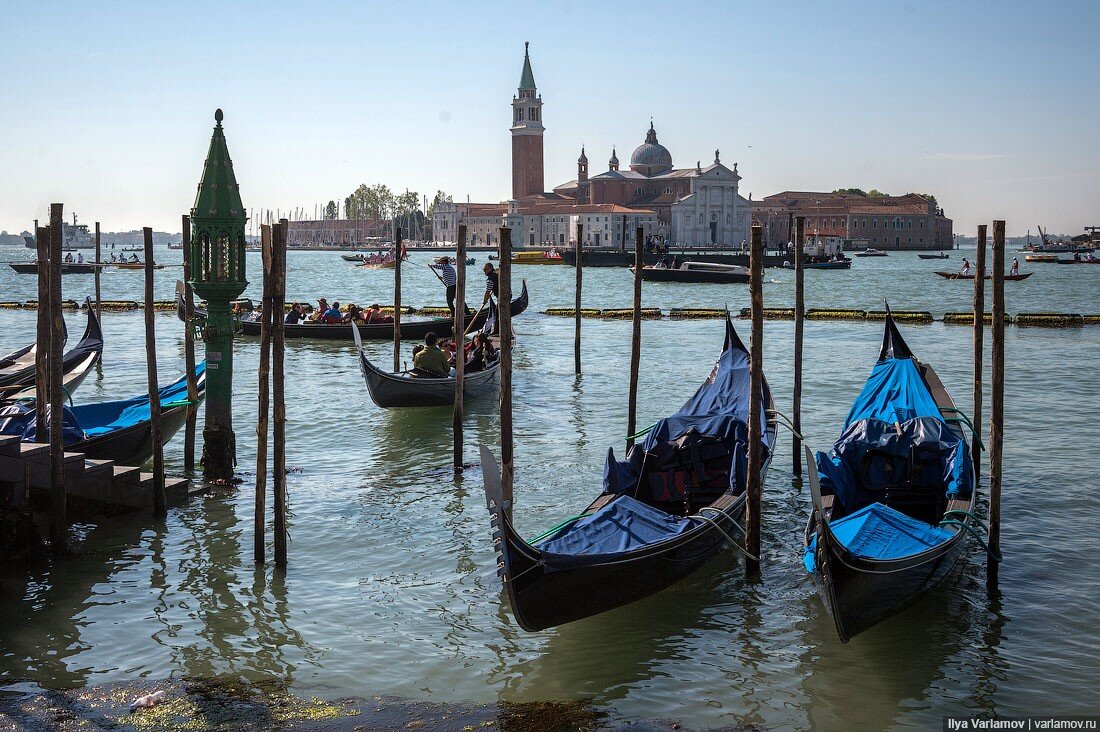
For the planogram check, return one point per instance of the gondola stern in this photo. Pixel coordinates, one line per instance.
(893, 345)
(732, 339)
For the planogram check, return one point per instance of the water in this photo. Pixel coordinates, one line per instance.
(392, 588)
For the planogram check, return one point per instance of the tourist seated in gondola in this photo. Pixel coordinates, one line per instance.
(353, 315)
(320, 310)
(480, 354)
(375, 315)
(429, 361)
(69, 257)
(296, 315)
(333, 315)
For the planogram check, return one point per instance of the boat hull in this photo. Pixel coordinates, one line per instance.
(693, 275)
(66, 268)
(391, 391)
(959, 276)
(132, 445)
(626, 259)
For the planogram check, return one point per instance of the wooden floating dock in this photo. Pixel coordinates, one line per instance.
(25, 469)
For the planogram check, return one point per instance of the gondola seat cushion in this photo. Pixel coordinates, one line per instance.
(880, 532)
(19, 419)
(624, 525)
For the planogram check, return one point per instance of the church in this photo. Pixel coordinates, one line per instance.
(693, 206)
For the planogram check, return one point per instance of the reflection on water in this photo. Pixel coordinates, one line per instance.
(392, 587)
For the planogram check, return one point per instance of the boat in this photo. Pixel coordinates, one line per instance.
(410, 329)
(937, 255)
(621, 258)
(696, 272)
(353, 257)
(118, 430)
(961, 276)
(892, 500)
(871, 253)
(832, 264)
(663, 513)
(1079, 261)
(136, 265)
(389, 390)
(552, 256)
(1041, 258)
(19, 383)
(66, 267)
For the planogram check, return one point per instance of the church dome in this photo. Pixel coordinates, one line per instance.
(651, 156)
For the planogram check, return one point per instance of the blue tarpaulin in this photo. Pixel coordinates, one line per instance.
(894, 392)
(880, 532)
(623, 525)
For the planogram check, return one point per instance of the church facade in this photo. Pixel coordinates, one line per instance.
(695, 206)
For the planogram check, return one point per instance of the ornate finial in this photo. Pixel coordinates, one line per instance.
(735, 168)
(698, 166)
(218, 116)
(651, 136)
(716, 160)
(525, 45)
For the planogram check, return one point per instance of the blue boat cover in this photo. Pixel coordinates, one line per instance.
(872, 457)
(880, 532)
(623, 525)
(895, 392)
(92, 420)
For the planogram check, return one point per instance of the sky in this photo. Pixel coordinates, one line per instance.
(108, 107)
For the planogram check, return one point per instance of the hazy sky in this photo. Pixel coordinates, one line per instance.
(108, 107)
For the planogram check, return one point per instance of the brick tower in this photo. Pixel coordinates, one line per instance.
(527, 132)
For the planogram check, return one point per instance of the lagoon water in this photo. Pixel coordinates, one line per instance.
(392, 586)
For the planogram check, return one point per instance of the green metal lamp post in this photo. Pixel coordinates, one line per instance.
(217, 255)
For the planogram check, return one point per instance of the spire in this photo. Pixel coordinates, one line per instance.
(613, 163)
(651, 136)
(583, 158)
(219, 196)
(716, 160)
(527, 78)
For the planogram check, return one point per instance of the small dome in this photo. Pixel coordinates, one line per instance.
(583, 158)
(651, 154)
(614, 159)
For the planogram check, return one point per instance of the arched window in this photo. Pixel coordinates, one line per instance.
(668, 189)
(639, 191)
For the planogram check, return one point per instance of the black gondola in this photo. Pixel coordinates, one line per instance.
(75, 364)
(892, 500)
(664, 511)
(410, 329)
(66, 267)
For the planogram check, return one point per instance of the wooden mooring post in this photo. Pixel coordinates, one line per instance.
(504, 323)
(577, 304)
(42, 349)
(160, 498)
(98, 271)
(397, 301)
(635, 341)
(460, 344)
(59, 525)
(189, 351)
(799, 322)
(278, 380)
(997, 405)
(979, 349)
(259, 520)
(756, 387)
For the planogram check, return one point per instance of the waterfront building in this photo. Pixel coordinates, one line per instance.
(339, 232)
(912, 221)
(684, 207)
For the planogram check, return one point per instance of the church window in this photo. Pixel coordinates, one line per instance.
(874, 223)
(668, 189)
(922, 224)
(638, 192)
(727, 218)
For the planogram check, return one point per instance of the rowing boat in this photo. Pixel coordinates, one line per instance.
(961, 276)
(118, 430)
(892, 500)
(135, 265)
(664, 511)
(410, 330)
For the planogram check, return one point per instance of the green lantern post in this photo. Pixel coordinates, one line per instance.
(217, 252)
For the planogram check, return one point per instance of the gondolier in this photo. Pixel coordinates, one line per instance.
(449, 278)
(492, 282)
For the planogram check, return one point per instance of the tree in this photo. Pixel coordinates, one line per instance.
(873, 193)
(929, 196)
(332, 211)
(854, 191)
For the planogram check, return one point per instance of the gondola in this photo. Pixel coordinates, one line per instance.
(75, 364)
(665, 511)
(389, 390)
(938, 255)
(118, 430)
(135, 265)
(66, 267)
(892, 500)
(353, 257)
(410, 330)
(961, 276)
(832, 264)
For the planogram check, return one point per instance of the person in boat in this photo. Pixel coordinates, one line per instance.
(1015, 268)
(80, 257)
(450, 279)
(296, 314)
(322, 308)
(114, 258)
(332, 315)
(353, 314)
(481, 353)
(677, 262)
(1077, 256)
(965, 268)
(133, 258)
(69, 257)
(374, 315)
(429, 361)
(492, 282)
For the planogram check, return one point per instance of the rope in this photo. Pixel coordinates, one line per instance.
(786, 422)
(636, 435)
(722, 531)
(558, 527)
(972, 529)
(963, 419)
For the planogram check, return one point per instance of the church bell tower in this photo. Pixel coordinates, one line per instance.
(527, 132)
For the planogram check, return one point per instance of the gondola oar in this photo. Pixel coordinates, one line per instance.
(474, 319)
